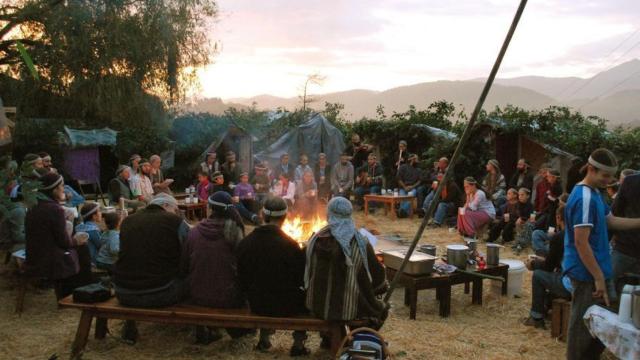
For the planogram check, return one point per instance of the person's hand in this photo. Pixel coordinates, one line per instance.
(529, 264)
(601, 290)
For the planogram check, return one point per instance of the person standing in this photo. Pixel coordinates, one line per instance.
(523, 176)
(409, 180)
(626, 244)
(358, 151)
(587, 260)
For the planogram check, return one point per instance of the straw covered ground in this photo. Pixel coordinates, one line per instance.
(490, 331)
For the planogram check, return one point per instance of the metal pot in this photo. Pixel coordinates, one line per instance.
(493, 254)
(428, 249)
(635, 309)
(457, 255)
(419, 263)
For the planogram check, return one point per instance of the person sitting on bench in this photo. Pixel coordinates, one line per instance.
(343, 277)
(270, 270)
(547, 281)
(119, 189)
(147, 273)
(209, 262)
(91, 218)
(51, 252)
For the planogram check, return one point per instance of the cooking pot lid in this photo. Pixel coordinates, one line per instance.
(457, 247)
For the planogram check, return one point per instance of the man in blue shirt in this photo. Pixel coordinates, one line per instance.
(587, 257)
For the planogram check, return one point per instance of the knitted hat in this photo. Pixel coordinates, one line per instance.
(495, 164)
(50, 181)
(216, 175)
(220, 202)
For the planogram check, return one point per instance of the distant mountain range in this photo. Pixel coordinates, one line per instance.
(613, 94)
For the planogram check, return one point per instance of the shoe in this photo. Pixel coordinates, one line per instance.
(205, 336)
(325, 343)
(299, 351)
(263, 345)
(129, 332)
(536, 323)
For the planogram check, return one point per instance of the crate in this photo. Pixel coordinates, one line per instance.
(560, 313)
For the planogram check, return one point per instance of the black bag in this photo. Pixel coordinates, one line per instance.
(91, 293)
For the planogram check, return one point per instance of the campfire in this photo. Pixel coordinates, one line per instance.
(302, 230)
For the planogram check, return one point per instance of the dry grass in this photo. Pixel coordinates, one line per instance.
(490, 331)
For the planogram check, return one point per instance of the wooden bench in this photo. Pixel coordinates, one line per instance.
(560, 313)
(193, 315)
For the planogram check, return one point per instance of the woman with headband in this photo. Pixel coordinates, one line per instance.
(477, 211)
(209, 262)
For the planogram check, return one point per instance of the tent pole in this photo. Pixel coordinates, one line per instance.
(463, 140)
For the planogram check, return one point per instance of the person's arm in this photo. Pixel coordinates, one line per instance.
(622, 224)
(114, 245)
(475, 200)
(581, 235)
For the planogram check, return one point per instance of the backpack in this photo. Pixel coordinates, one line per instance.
(363, 344)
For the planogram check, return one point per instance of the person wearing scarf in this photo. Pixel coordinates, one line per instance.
(50, 251)
(91, 217)
(209, 263)
(271, 270)
(495, 183)
(342, 277)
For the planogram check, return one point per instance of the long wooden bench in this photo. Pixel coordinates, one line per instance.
(193, 315)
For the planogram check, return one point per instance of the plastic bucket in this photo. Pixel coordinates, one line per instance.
(516, 276)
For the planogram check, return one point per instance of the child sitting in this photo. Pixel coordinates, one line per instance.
(525, 223)
(505, 226)
(91, 216)
(203, 187)
(108, 253)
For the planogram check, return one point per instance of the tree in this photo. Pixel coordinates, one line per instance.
(116, 63)
(313, 79)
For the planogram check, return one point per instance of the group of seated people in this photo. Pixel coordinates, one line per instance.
(215, 264)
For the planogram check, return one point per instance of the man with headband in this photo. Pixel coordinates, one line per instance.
(147, 271)
(587, 260)
(270, 270)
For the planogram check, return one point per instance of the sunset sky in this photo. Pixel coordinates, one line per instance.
(270, 46)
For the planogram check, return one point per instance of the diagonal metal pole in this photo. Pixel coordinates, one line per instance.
(463, 140)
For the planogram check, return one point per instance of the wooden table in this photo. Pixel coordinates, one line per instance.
(194, 211)
(391, 202)
(442, 283)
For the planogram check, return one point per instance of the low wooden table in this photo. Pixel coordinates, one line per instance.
(442, 283)
(194, 211)
(391, 202)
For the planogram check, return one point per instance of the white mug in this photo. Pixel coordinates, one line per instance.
(383, 192)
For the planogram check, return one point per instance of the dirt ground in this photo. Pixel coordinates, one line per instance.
(490, 331)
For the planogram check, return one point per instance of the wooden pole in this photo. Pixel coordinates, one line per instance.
(463, 140)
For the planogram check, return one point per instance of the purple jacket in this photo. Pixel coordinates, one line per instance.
(209, 262)
(244, 191)
(50, 251)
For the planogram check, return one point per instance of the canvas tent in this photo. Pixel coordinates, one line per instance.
(314, 136)
(83, 157)
(233, 138)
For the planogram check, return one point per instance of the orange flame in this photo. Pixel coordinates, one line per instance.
(301, 230)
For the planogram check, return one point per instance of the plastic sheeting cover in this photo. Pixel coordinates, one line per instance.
(89, 138)
(314, 136)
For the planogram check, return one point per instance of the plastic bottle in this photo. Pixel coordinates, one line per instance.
(624, 312)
